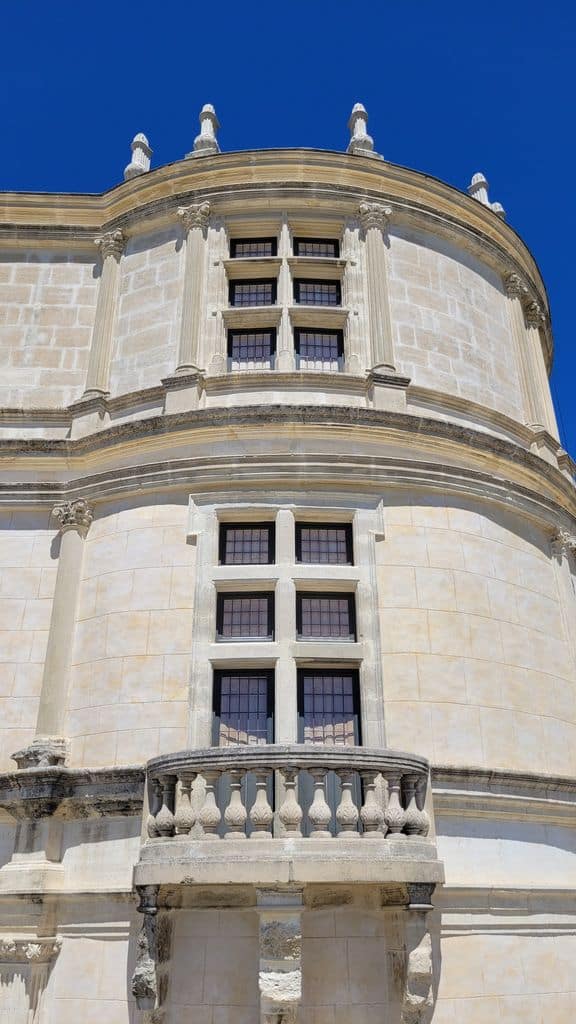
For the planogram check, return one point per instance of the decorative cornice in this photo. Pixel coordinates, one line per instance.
(28, 795)
(195, 216)
(374, 215)
(111, 243)
(76, 515)
(32, 951)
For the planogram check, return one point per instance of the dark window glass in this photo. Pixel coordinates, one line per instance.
(244, 248)
(245, 615)
(243, 707)
(325, 616)
(251, 349)
(324, 545)
(316, 247)
(328, 707)
(246, 544)
(252, 293)
(319, 349)
(317, 293)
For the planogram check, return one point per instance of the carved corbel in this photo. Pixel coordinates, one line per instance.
(280, 974)
(144, 979)
(418, 996)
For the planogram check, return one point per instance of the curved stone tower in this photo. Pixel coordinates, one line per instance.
(288, 635)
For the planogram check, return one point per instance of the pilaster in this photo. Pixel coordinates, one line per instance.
(563, 549)
(280, 968)
(49, 745)
(111, 246)
(194, 221)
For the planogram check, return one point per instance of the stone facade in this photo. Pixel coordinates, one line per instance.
(407, 856)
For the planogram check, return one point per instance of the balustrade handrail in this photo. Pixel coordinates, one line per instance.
(297, 756)
(176, 808)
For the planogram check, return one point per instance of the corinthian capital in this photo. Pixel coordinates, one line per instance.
(534, 315)
(195, 216)
(374, 215)
(22, 950)
(111, 244)
(563, 542)
(515, 287)
(73, 514)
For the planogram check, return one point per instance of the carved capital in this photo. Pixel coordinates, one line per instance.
(37, 951)
(374, 215)
(194, 216)
(515, 287)
(534, 315)
(563, 542)
(76, 515)
(111, 243)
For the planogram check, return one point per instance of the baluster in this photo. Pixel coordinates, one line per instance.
(290, 812)
(371, 812)
(347, 812)
(155, 805)
(319, 813)
(165, 816)
(394, 813)
(261, 814)
(185, 817)
(412, 815)
(235, 814)
(424, 820)
(209, 816)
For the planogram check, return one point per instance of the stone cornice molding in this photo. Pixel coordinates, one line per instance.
(69, 793)
(374, 215)
(522, 478)
(74, 515)
(29, 951)
(196, 215)
(111, 243)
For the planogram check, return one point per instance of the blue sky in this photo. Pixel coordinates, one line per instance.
(451, 88)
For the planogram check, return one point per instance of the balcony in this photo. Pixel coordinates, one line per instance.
(375, 832)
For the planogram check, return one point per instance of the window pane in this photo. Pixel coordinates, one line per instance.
(325, 616)
(318, 293)
(319, 350)
(244, 615)
(251, 350)
(316, 247)
(243, 709)
(329, 712)
(246, 545)
(250, 247)
(253, 293)
(323, 545)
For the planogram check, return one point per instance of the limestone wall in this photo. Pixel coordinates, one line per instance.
(451, 323)
(28, 560)
(145, 343)
(47, 304)
(129, 687)
(476, 664)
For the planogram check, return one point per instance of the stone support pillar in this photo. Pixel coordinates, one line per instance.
(49, 745)
(374, 218)
(515, 292)
(195, 224)
(111, 246)
(526, 319)
(280, 973)
(563, 547)
(358, 358)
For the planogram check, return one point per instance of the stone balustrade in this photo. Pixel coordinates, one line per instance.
(393, 794)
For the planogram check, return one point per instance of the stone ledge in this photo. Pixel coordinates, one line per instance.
(272, 862)
(501, 780)
(69, 793)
